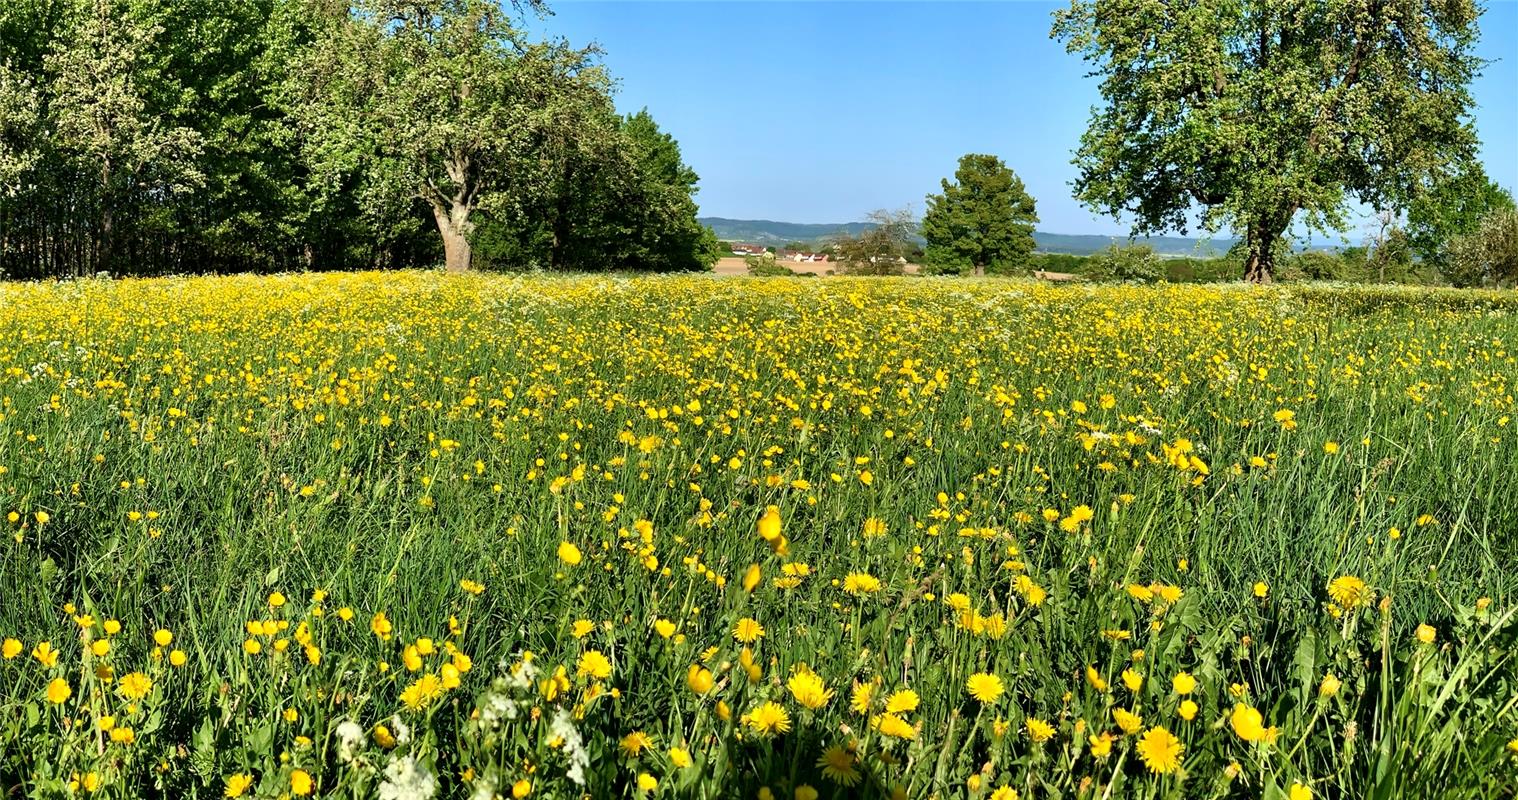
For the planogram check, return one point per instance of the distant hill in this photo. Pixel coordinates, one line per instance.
(768, 232)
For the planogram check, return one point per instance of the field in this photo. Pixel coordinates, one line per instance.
(405, 535)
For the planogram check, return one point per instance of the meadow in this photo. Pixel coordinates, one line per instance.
(406, 535)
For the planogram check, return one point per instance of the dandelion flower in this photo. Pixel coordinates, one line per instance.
(985, 687)
(768, 719)
(839, 766)
(1160, 750)
(808, 689)
(1349, 592)
(748, 630)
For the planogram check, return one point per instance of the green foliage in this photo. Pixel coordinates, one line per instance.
(767, 267)
(881, 249)
(1488, 255)
(982, 222)
(18, 122)
(1260, 111)
(228, 135)
(1133, 263)
(1450, 209)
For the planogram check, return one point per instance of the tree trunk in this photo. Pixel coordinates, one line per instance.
(1259, 265)
(453, 224)
(980, 269)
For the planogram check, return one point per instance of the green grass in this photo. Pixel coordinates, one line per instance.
(383, 436)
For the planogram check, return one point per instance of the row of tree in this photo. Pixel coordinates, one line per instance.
(1463, 231)
(1261, 118)
(150, 136)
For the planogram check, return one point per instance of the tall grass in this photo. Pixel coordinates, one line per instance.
(1053, 485)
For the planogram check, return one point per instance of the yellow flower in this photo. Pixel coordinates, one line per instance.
(857, 583)
(1004, 793)
(769, 718)
(699, 679)
(595, 664)
(1127, 720)
(806, 792)
(58, 691)
(1426, 633)
(383, 737)
(521, 789)
(748, 630)
(808, 689)
(679, 757)
(1248, 723)
(11, 648)
(236, 784)
(301, 783)
(894, 726)
(1160, 751)
(1132, 680)
(1183, 683)
(1095, 679)
(636, 742)
(1187, 710)
(752, 577)
(1038, 730)
(647, 782)
(1299, 792)
(1329, 687)
(178, 657)
(380, 625)
(904, 701)
(1261, 589)
(276, 600)
(1349, 592)
(569, 553)
(839, 765)
(985, 687)
(664, 627)
(1101, 745)
(471, 587)
(135, 685)
(162, 637)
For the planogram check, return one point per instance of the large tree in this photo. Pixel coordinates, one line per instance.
(18, 129)
(1258, 111)
(983, 220)
(103, 124)
(444, 101)
(1453, 208)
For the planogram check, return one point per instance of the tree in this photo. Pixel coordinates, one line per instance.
(18, 129)
(651, 222)
(1488, 255)
(1391, 257)
(882, 248)
(1131, 263)
(1258, 110)
(444, 101)
(1452, 208)
(984, 220)
(103, 123)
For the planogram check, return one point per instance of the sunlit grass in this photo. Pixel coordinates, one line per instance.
(494, 536)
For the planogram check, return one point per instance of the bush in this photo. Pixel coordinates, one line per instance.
(1487, 257)
(1134, 263)
(766, 266)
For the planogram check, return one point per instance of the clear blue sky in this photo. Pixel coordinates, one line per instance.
(823, 111)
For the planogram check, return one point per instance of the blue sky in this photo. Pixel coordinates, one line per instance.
(823, 111)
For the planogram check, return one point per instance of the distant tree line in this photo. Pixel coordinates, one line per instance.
(159, 136)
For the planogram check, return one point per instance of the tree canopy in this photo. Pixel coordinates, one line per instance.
(1259, 112)
(983, 221)
(150, 136)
